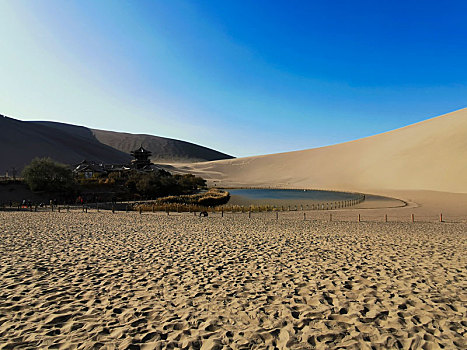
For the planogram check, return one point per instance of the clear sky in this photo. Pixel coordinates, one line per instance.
(242, 77)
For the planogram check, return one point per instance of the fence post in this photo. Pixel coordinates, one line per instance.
(277, 215)
(386, 218)
(358, 217)
(441, 217)
(249, 214)
(304, 216)
(413, 218)
(222, 212)
(330, 217)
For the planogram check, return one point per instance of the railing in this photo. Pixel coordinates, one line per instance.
(312, 213)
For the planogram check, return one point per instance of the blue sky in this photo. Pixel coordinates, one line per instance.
(243, 77)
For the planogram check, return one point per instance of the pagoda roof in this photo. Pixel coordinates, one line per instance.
(141, 150)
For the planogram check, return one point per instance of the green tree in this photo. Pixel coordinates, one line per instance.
(44, 174)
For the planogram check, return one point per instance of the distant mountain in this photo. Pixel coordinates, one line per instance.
(21, 141)
(163, 149)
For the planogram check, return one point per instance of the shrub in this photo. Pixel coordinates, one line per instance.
(214, 198)
(43, 174)
(211, 198)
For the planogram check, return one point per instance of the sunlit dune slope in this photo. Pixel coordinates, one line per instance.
(430, 155)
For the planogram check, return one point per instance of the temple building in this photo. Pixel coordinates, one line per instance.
(141, 160)
(140, 163)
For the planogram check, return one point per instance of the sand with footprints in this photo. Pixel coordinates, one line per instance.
(151, 281)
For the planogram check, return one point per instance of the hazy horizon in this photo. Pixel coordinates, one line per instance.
(244, 79)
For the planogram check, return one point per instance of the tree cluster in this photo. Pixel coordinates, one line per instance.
(162, 183)
(46, 175)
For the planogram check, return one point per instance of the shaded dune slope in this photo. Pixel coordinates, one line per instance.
(164, 149)
(21, 141)
(430, 155)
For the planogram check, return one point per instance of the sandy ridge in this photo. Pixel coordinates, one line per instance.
(428, 156)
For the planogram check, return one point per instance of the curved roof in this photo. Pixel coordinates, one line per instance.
(141, 150)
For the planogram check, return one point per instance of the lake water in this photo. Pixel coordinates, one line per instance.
(285, 197)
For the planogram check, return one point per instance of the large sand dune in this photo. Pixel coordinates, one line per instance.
(430, 155)
(21, 141)
(164, 149)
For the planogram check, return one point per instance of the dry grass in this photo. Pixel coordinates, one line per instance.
(214, 200)
(186, 203)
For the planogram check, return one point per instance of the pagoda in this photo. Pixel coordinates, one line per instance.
(141, 156)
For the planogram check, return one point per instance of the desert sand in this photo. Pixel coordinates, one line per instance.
(151, 281)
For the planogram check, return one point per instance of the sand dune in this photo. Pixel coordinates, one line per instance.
(21, 141)
(164, 149)
(430, 155)
(151, 281)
